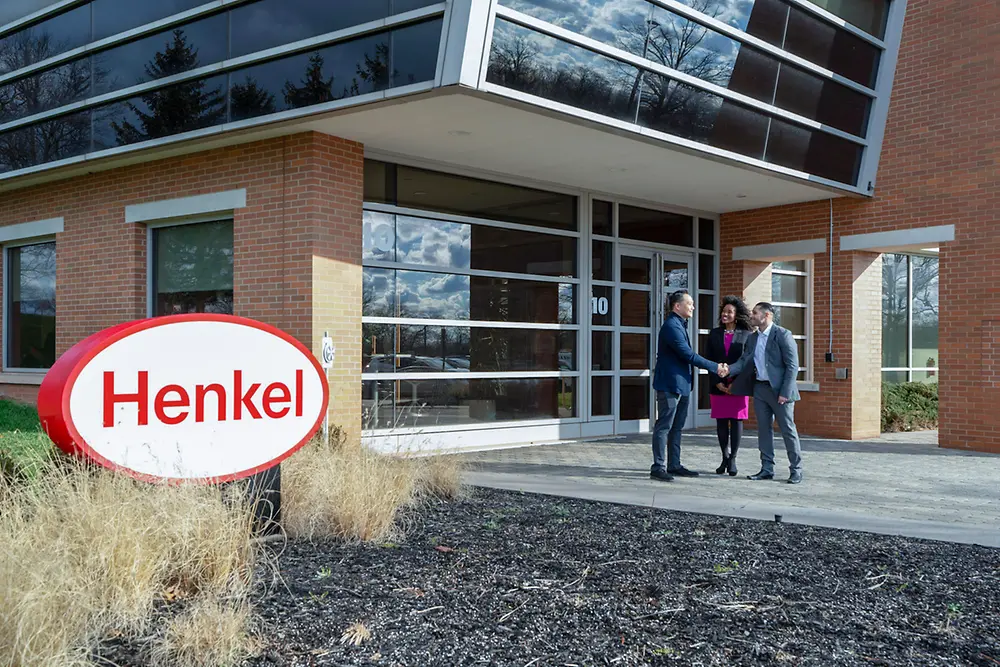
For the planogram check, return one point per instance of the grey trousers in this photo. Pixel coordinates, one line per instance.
(767, 408)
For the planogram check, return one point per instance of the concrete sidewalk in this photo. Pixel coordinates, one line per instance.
(900, 484)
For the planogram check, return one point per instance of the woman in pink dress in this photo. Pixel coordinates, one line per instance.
(725, 345)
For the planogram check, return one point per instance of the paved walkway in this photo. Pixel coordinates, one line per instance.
(900, 484)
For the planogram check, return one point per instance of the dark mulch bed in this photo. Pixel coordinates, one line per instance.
(517, 579)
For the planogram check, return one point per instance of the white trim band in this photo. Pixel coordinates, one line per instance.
(916, 239)
(183, 207)
(30, 230)
(773, 252)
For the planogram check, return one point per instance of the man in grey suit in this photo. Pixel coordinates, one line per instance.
(768, 371)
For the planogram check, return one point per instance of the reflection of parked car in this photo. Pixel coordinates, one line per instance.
(412, 363)
(431, 392)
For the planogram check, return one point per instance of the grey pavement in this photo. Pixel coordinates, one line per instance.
(899, 484)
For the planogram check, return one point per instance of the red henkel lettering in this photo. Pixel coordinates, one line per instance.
(172, 402)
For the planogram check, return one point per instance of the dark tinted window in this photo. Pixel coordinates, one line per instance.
(45, 39)
(400, 6)
(821, 99)
(42, 92)
(414, 53)
(869, 15)
(183, 107)
(262, 25)
(389, 293)
(644, 224)
(603, 260)
(380, 182)
(813, 152)
(602, 218)
(432, 190)
(114, 16)
(161, 55)
(31, 306)
(706, 272)
(193, 268)
(706, 234)
(49, 141)
(832, 48)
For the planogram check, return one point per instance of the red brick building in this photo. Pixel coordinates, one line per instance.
(485, 202)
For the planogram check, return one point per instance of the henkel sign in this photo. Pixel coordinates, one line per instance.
(206, 398)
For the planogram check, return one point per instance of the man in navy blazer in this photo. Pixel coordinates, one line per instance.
(672, 383)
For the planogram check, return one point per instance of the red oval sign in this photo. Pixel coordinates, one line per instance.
(185, 398)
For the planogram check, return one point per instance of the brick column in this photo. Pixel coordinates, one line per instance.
(866, 357)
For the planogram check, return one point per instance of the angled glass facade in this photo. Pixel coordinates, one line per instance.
(65, 79)
(765, 79)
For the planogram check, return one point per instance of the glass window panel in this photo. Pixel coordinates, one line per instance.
(644, 224)
(691, 113)
(448, 193)
(428, 349)
(420, 403)
(706, 272)
(706, 312)
(797, 265)
(791, 318)
(788, 289)
(378, 343)
(606, 318)
(925, 312)
(603, 260)
(894, 377)
(414, 50)
(601, 352)
(804, 361)
(262, 25)
(675, 277)
(895, 311)
(163, 54)
(114, 16)
(761, 18)
(183, 107)
(65, 137)
(704, 396)
(378, 237)
(833, 48)
(48, 90)
(823, 100)
(540, 65)
(634, 351)
(600, 396)
(635, 308)
(45, 39)
(633, 398)
(927, 377)
(378, 292)
(193, 268)
(706, 234)
(380, 182)
(869, 15)
(815, 153)
(378, 404)
(453, 297)
(635, 270)
(464, 246)
(400, 6)
(31, 306)
(602, 218)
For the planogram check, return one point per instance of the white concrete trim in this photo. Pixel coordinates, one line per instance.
(808, 386)
(922, 237)
(23, 378)
(217, 202)
(772, 252)
(31, 230)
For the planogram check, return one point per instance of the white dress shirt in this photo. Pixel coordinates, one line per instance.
(758, 354)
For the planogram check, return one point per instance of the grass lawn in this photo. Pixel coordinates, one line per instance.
(23, 444)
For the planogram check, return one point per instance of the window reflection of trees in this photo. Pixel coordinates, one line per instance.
(31, 330)
(194, 269)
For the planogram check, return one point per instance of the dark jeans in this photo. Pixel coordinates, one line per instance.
(671, 413)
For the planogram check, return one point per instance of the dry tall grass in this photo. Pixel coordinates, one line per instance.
(351, 493)
(208, 634)
(86, 553)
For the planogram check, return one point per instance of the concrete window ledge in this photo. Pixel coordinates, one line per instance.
(22, 378)
(808, 386)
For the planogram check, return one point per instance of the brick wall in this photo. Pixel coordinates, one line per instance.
(939, 166)
(304, 197)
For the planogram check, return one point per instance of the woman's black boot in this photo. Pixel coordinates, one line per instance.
(724, 446)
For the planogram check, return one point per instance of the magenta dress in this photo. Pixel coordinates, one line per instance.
(726, 406)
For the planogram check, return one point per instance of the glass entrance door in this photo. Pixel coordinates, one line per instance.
(646, 279)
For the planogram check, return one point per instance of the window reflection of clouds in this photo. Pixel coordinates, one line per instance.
(433, 295)
(433, 242)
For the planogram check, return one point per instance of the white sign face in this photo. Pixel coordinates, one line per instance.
(326, 357)
(207, 398)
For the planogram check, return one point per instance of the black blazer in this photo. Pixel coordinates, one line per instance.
(716, 351)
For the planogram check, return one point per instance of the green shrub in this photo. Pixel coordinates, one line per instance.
(912, 406)
(23, 444)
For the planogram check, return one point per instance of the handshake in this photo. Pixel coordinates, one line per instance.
(723, 370)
